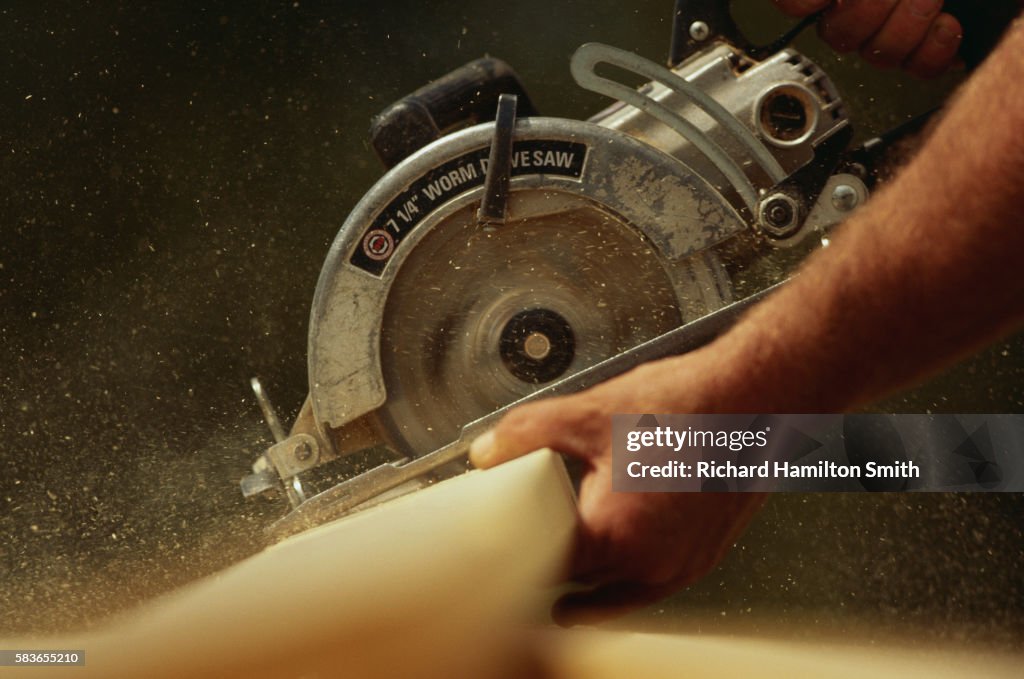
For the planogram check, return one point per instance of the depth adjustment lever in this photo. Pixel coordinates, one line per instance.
(494, 206)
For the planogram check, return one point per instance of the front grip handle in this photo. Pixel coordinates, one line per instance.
(466, 96)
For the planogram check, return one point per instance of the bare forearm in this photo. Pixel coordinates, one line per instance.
(931, 268)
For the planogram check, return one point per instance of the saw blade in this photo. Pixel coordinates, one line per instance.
(480, 317)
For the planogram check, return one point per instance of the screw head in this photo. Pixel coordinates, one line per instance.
(699, 31)
(303, 451)
(844, 198)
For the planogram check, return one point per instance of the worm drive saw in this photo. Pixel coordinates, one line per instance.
(508, 256)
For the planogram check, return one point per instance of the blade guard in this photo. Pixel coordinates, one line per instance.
(677, 211)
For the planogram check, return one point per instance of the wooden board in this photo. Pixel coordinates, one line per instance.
(413, 587)
(619, 655)
(451, 581)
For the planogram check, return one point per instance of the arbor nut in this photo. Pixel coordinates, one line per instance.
(780, 215)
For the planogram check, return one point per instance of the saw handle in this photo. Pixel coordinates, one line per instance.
(697, 23)
(466, 96)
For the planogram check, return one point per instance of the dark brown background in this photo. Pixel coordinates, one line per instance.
(172, 176)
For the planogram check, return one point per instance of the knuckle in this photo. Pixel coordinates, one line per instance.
(849, 25)
(946, 34)
(591, 416)
(519, 423)
(924, 10)
(800, 8)
(551, 422)
(518, 418)
(836, 36)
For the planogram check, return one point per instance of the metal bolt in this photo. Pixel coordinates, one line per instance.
(699, 31)
(537, 346)
(303, 451)
(845, 198)
(780, 215)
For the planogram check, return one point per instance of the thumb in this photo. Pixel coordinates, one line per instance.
(567, 424)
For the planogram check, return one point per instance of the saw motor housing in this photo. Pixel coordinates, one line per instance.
(428, 316)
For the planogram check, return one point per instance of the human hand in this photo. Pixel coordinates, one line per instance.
(632, 548)
(914, 34)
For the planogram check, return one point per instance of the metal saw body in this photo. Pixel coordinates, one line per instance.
(599, 178)
(431, 317)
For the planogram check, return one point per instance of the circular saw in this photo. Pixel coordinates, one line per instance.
(506, 256)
